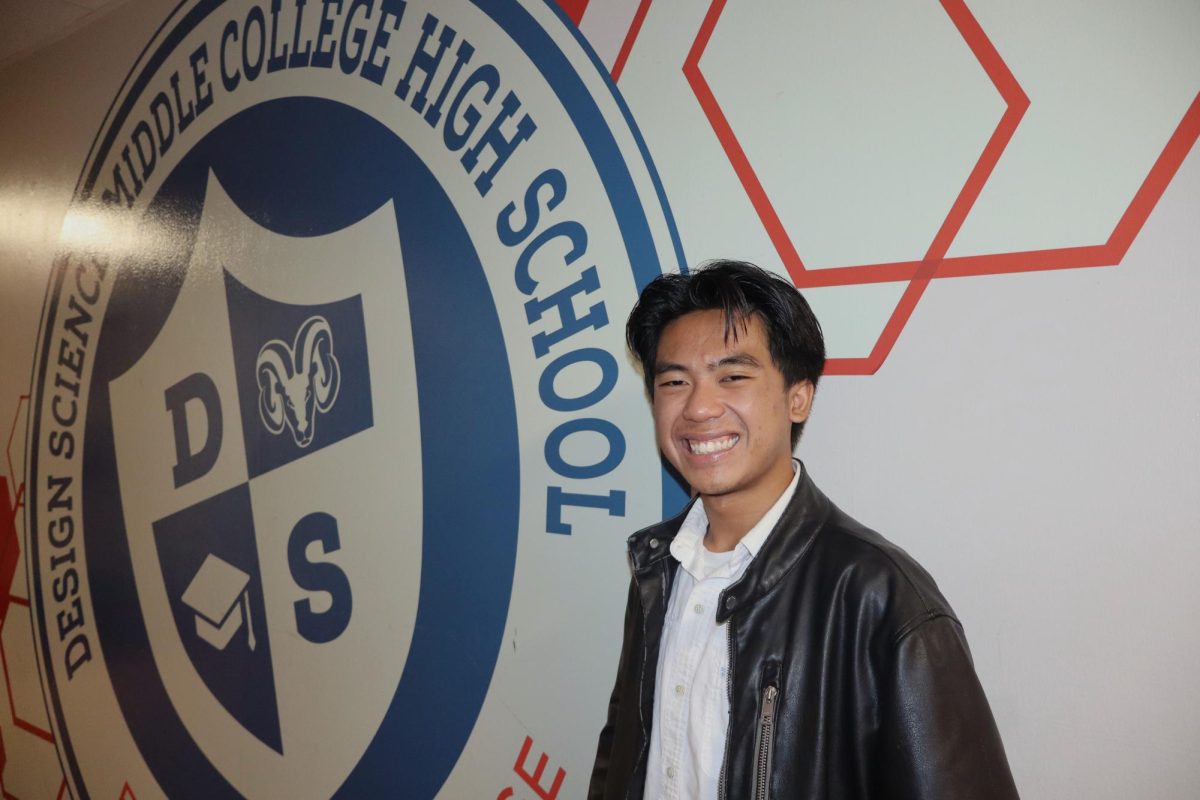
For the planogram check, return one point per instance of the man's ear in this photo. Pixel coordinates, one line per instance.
(800, 397)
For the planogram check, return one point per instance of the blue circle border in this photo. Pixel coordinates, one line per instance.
(559, 73)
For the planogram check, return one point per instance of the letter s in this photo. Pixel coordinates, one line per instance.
(319, 576)
(512, 236)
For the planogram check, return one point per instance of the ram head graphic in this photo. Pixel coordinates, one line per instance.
(297, 383)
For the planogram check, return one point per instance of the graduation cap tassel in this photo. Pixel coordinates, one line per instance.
(249, 624)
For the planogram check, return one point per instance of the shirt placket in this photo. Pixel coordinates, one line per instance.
(694, 627)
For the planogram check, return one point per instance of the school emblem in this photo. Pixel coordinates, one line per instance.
(336, 340)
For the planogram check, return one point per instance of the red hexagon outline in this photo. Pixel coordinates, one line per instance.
(574, 9)
(635, 27)
(9, 555)
(919, 273)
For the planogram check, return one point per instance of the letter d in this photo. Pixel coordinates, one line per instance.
(189, 464)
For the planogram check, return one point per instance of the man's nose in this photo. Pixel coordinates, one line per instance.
(703, 403)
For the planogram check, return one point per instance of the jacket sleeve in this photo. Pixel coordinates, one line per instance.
(599, 781)
(939, 739)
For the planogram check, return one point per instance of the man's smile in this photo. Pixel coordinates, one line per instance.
(703, 447)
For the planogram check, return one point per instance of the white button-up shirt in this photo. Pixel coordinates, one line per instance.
(691, 702)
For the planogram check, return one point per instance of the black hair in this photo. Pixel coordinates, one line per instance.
(741, 290)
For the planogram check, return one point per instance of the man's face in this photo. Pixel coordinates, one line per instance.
(722, 414)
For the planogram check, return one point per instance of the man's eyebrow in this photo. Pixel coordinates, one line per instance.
(734, 360)
(737, 360)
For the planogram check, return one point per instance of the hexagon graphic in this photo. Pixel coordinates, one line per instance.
(883, 169)
(27, 754)
(1110, 115)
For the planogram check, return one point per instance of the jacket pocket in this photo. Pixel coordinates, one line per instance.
(764, 741)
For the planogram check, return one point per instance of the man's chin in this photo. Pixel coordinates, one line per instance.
(711, 478)
(709, 486)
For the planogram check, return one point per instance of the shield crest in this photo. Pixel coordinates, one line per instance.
(270, 539)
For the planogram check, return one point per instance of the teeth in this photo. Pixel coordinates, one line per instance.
(712, 445)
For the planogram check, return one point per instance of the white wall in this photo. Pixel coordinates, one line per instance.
(1030, 437)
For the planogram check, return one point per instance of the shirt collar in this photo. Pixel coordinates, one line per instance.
(688, 544)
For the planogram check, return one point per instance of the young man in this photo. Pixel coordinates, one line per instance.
(774, 647)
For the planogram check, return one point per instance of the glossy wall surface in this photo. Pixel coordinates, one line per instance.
(321, 443)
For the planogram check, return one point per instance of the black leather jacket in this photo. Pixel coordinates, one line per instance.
(849, 676)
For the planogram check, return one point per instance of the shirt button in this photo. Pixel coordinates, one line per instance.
(670, 772)
(653, 543)
(698, 608)
(679, 688)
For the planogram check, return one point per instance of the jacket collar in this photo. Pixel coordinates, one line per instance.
(786, 544)
(652, 544)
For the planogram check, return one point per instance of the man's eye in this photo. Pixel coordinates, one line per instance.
(671, 382)
(729, 378)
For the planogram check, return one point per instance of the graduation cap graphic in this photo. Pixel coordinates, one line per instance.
(209, 559)
(221, 601)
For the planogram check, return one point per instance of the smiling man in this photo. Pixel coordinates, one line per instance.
(774, 647)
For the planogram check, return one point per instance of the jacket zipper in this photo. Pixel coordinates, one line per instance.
(728, 694)
(762, 748)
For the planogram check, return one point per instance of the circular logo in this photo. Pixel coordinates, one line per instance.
(330, 347)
